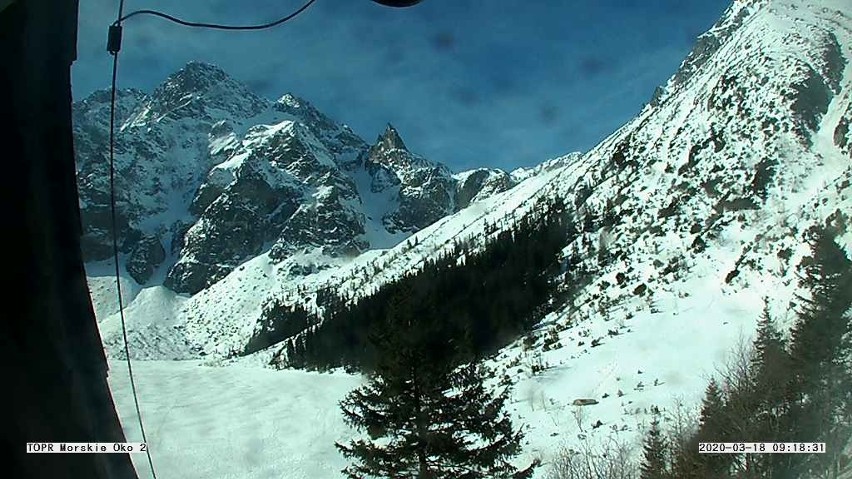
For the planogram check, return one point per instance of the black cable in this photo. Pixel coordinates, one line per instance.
(216, 26)
(115, 244)
(114, 47)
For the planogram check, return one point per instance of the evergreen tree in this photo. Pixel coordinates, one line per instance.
(714, 426)
(686, 460)
(291, 349)
(818, 336)
(772, 395)
(821, 351)
(589, 223)
(426, 418)
(655, 461)
(296, 351)
(770, 365)
(770, 362)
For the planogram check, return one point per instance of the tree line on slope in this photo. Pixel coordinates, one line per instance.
(430, 408)
(778, 390)
(473, 301)
(796, 390)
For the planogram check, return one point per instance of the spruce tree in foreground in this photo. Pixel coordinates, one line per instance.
(770, 364)
(424, 417)
(655, 464)
(713, 426)
(771, 389)
(821, 406)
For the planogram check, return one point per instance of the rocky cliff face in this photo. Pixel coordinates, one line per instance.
(703, 203)
(424, 190)
(210, 175)
(689, 216)
(476, 185)
(162, 153)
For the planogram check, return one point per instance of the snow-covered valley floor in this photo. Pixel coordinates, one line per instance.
(685, 281)
(249, 422)
(233, 422)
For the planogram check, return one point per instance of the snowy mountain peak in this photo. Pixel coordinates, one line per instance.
(300, 107)
(338, 138)
(197, 76)
(195, 79)
(201, 91)
(707, 44)
(389, 152)
(390, 139)
(391, 164)
(210, 175)
(290, 100)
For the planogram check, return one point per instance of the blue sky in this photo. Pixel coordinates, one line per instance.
(501, 83)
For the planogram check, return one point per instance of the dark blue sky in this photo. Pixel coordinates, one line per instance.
(501, 83)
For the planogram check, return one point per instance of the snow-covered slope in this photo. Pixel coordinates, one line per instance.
(697, 210)
(711, 193)
(209, 175)
(747, 147)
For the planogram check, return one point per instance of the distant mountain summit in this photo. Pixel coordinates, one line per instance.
(210, 175)
(682, 223)
(707, 197)
(425, 191)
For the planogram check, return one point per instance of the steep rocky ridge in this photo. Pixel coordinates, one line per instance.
(209, 175)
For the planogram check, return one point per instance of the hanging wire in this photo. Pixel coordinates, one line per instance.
(113, 218)
(216, 26)
(114, 47)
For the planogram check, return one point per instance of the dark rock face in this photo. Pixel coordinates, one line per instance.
(482, 183)
(192, 171)
(340, 140)
(843, 134)
(330, 220)
(425, 190)
(817, 86)
(233, 228)
(162, 152)
(91, 139)
(705, 47)
(190, 276)
(97, 237)
(285, 188)
(147, 254)
(424, 198)
(386, 160)
(811, 99)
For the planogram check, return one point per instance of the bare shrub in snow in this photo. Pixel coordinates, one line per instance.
(612, 458)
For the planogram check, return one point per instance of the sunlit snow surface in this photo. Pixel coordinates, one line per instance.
(229, 423)
(244, 421)
(250, 422)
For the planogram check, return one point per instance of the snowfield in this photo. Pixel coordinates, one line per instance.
(245, 421)
(235, 422)
(697, 244)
